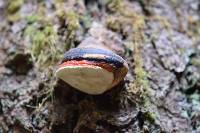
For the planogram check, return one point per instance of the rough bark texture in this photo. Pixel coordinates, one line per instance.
(160, 39)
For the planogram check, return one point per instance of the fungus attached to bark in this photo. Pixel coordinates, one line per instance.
(92, 68)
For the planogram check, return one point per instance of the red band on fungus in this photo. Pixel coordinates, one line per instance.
(103, 65)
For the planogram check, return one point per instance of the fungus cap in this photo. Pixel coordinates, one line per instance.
(92, 70)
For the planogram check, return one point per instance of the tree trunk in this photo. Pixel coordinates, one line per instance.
(158, 38)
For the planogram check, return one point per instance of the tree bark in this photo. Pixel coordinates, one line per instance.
(158, 39)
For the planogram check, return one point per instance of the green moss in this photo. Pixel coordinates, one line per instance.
(32, 18)
(46, 52)
(196, 62)
(150, 116)
(114, 5)
(29, 31)
(135, 36)
(12, 10)
(71, 17)
(194, 29)
(87, 22)
(39, 42)
(114, 24)
(72, 20)
(43, 48)
(14, 5)
(14, 17)
(59, 1)
(140, 73)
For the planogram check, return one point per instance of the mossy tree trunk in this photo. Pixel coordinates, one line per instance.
(158, 38)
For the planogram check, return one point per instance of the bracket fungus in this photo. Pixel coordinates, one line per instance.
(92, 68)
